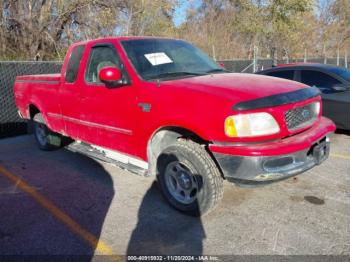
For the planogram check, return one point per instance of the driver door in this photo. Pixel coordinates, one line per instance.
(109, 113)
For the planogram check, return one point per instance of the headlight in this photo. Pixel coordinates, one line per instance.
(247, 125)
(317, 108)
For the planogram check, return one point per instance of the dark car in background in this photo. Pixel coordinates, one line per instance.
(332, 81)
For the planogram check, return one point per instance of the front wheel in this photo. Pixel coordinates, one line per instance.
(188, 178)
(46, 139)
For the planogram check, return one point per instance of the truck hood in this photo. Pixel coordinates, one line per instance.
(237, 87)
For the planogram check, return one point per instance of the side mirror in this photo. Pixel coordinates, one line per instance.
(222, 65)
(110, 76)
(340, 88)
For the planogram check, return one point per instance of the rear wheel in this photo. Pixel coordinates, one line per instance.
(189, 179)
(46, 139)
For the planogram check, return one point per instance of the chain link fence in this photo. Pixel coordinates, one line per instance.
(10, 123)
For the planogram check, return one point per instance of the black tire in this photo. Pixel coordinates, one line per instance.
(193, 160)
(46, 139)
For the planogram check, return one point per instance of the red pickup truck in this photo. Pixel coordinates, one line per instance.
(162, 107)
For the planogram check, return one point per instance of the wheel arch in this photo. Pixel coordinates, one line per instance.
(33, 110)
(164, 137)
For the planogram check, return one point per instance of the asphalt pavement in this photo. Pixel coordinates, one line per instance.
(63, 203)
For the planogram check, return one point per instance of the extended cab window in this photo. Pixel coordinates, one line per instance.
(286, 74)
(321, 80)
(73, 64)
(100, 57)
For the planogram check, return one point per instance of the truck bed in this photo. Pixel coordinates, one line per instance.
(35, 91)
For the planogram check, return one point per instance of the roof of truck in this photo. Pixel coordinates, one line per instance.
(121, 38)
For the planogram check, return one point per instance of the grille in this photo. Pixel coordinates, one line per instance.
(301, 116)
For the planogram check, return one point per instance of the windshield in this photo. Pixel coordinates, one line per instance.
(167, 58)
(342, 72)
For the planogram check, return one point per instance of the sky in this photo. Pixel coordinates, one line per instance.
(180, 12)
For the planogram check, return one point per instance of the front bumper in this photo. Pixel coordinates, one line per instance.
(270, 168)
(276, 160)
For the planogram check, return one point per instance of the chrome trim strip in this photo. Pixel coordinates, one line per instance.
(92, 124)
(19, 95)
(49, 82)
(54, 115)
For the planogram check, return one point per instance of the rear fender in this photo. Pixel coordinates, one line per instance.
(37, 109)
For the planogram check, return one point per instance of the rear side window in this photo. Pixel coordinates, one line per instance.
(73, 64)
(286, 74)
(100, 57)
(318, 79)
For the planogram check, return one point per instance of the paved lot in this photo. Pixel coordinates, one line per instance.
(64, 203)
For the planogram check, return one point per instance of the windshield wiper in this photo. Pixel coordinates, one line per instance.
(217, 70)
(172, 74)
